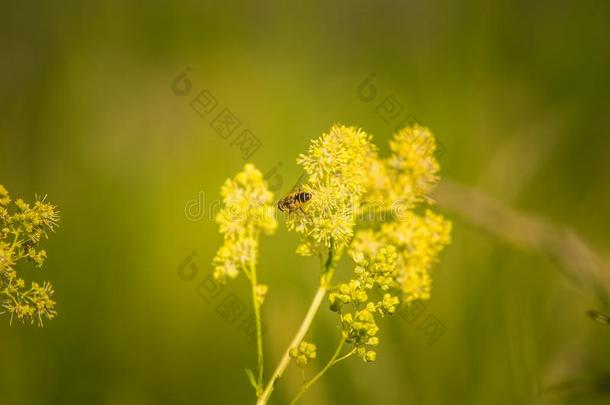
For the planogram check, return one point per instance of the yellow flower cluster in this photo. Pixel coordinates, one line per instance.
(347, 178)
(395, 186)
(359, 326)
(21, 231)
(336, 166)
(418, 240)
(407, 176)
(248, 210)
(303, 353)
(394, 252)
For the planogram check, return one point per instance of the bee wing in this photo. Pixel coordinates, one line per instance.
(298, 185)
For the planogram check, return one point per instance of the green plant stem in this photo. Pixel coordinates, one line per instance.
(333, 360)
(259, 331)
(329, 269)
(14, 244)
(311, 312)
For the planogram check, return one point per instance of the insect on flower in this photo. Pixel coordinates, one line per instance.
(392, 259)
(294, 200)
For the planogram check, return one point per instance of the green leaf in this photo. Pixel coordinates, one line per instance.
(251, 378)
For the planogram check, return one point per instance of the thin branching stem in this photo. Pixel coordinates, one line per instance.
(333, 360)
(325, 280)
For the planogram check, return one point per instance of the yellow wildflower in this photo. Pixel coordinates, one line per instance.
(407, 176)
(248, 211)
(393, 256)
(336, 169)
(418, 240)
(21, 230)
(359, 327)
(5, 199)
(303, 353)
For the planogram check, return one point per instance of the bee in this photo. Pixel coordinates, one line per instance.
(293, 201)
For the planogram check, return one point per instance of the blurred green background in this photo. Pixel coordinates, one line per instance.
(516, 91)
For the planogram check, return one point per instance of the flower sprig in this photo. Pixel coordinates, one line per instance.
(373, 280)
(248, 211)
(392, 253)
(21, 231)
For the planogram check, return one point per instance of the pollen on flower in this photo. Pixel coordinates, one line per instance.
(21, 231)
(248, 211)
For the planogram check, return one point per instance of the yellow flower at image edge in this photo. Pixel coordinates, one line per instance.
(248, 210)
(21, 230)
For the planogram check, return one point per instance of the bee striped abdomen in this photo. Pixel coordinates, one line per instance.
(303, 197)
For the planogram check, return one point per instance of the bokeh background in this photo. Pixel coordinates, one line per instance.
(516, 91)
